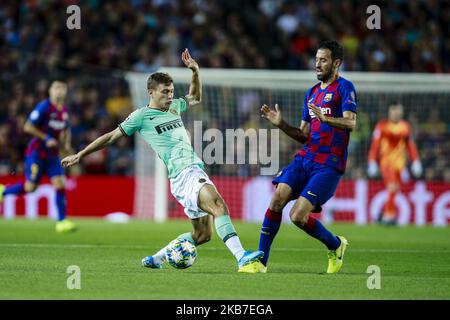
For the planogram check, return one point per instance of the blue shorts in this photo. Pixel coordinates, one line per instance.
(37, 165)
(313, 181)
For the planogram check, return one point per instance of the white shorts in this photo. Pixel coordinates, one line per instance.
(185, 188)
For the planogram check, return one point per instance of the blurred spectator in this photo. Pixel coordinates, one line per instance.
(118, 104)
(142, 35)
(270, 34)
(6, 151)
(146, 62)
(95, 163)
(121, 158)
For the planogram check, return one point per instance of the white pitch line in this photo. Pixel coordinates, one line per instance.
(206, 247)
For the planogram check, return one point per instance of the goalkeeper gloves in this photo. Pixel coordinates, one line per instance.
(416, 168)
(404, 175)
(372, 170)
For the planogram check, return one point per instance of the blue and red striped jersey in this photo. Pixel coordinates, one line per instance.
(327, 144)
(47, 118)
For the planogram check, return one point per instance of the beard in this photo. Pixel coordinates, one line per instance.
(325, 76)
(59, 99)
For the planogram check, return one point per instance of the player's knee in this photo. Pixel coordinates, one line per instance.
(219, 207)
(30, 187)
(393, 187)
(278, 203)
(202, 236)
(60, 189)
(298, 218)
(58, 184)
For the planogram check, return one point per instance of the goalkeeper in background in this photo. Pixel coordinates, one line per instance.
(161, 126)
(391, 140)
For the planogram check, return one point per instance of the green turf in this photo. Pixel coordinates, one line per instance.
(414, 263)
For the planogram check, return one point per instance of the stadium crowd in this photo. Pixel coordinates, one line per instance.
(140, 35)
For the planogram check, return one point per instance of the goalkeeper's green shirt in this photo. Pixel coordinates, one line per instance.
(164, 131)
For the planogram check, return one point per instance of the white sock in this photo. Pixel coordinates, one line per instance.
(235, 246)
(160, 256)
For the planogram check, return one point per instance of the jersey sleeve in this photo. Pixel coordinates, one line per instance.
(376, 138)
(348, 97)
(183, 105)
(180, 105)
(410, 145)
(306, 116)
(37, 115)
(132, 123)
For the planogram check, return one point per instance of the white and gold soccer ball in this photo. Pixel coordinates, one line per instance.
(181, 253)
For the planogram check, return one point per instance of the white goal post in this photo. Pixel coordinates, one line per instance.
(222, 87)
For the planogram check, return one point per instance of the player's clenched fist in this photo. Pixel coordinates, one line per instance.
(70, 160)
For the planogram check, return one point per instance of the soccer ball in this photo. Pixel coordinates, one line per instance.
(181, 253)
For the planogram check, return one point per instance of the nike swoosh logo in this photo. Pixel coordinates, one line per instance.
(151, 118)
(312, 194)
(342, 253)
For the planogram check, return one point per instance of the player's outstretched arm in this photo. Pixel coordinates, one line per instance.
(195, 89)
(416, 166)
(372, 169)
(275, 117)
(66, 143)
(101, 142)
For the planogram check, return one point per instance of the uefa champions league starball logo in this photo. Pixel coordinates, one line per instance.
(181, 253)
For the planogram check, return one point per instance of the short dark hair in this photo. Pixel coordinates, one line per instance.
(158, 78)
(57, 79)
(337, 51)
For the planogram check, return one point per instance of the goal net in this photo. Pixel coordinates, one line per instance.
(242, 168)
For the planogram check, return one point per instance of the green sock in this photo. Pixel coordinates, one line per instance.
(227, 233)
(187, 236)
(224, 227)
(160, 256)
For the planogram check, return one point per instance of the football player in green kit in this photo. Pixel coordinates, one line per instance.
(161, 126)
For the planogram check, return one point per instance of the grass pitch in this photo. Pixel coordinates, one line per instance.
(414, 263)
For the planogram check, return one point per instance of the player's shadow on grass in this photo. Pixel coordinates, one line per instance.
(272, 271)
(294, 270)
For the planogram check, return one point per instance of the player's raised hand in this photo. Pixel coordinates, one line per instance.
(317, 112)
(274, 116)
(70, 160)
(189, 61)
